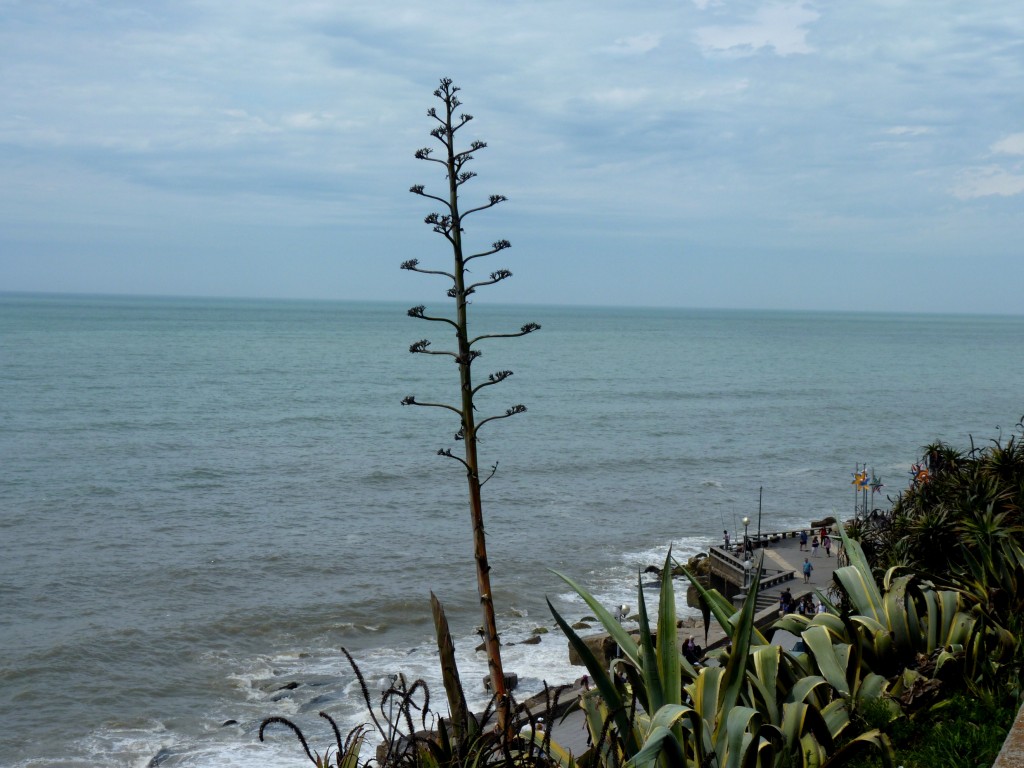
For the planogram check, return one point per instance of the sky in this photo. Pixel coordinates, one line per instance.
(862, 156)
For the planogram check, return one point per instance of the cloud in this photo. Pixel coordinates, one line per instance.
(1009, 145)
(988, 181)
(636, 45)
(909, 130)
(621, 98)
(1004, 179)
(780, 27)
(761, 126)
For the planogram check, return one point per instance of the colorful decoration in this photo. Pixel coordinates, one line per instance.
(919, 473)
(860, 479)
(876, 484)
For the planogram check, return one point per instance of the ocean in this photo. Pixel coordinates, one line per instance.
(202, 501)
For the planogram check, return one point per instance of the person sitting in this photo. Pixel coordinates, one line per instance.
(691, 651)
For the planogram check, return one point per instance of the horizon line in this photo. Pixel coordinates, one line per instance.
(568, 305)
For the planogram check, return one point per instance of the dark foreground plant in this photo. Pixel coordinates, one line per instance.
(346, 753)
(412, 735)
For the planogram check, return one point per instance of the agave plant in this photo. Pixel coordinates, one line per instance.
(907, 616)
(748, 711)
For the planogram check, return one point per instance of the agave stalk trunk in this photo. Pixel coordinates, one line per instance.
(492, 643)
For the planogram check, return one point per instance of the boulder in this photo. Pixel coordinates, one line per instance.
(511, 681)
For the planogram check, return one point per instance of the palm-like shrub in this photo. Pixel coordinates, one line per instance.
(960, 529)
(967, 500)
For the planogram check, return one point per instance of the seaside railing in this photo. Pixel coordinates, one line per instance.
(729, 565)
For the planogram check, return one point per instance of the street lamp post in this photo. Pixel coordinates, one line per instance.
(746, 562)
(620, 614)
(760, 495)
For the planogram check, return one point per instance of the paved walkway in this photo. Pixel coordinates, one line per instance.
(786, 555)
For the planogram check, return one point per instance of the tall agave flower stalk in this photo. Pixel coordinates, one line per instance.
(449, 222)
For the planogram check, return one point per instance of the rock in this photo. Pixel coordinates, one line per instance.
(581, 625)
(320, 702)
(534, 640)
(160, 757)
(226, 723)
(602, 646)
(540, 630)
(511, 681)
(591, 619)
(289, 687)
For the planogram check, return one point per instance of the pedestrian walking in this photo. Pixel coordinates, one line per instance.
(807, 570)
(725, 538)
(803, 541)
(827, 544)
(814, 546)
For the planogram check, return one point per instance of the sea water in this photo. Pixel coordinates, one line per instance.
(203, 501)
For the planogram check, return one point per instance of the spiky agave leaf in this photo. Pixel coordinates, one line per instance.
(830, 660)
(610, 623)
(602, 680)
(462, 724)
(852, 750)
(724, 611)
(660, 743)
(646, 685)
(735, 669)
(763, 681)
(667, 674)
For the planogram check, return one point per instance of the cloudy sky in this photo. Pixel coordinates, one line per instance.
(695, 153)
